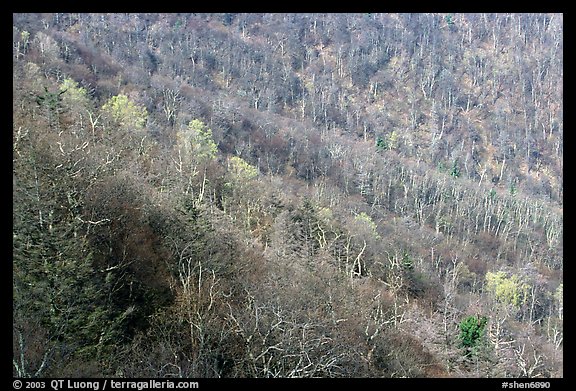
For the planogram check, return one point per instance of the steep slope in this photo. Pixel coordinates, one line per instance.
(299, 195)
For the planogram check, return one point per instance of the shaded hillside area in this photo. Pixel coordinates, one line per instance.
(288, 195)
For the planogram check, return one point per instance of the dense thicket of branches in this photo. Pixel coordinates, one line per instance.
(287, 195)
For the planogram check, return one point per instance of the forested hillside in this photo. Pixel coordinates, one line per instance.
(288, 195)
